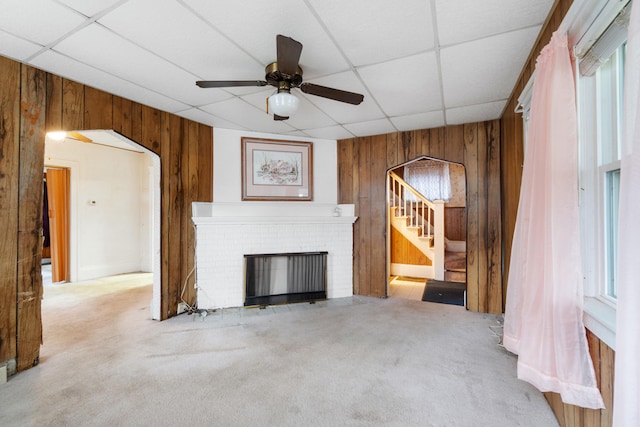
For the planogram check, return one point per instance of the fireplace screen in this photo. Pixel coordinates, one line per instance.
(283, 278)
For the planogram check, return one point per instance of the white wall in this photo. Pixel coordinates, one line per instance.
(227, 179)
(111, 224)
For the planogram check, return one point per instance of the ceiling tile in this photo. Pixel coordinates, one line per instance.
(464, 20)
(342, 112)
(73, 70)
(15, 47)
(47, 20)
(496, 63)
(200, 116)
(297, 133)
(332, 132)
(475, 113)
(369, 37)
(258, 36)
(235, 110)
(117, 56)
(375, 127)
(176, 34)
(90, 8)
(432, 119)
(405, 86)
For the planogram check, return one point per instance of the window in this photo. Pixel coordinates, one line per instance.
(600, 111)
(600, 80)
(612, 201)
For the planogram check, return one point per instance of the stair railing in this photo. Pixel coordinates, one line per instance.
(423, 213)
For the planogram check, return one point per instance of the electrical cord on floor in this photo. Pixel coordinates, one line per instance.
(498, 331)
(190, 309)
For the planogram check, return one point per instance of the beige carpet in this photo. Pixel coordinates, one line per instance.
(346, 362)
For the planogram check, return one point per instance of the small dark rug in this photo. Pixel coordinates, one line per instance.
(444, 292)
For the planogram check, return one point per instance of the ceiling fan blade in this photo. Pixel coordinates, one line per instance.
(229, 83)
(289, 52)
(335, 94)
(277, 117)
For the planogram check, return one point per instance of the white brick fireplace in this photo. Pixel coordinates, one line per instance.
(226, 232)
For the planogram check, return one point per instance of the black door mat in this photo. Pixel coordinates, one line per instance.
(445, 292)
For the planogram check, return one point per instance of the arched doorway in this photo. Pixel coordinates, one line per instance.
(426, 231)
(113, 205)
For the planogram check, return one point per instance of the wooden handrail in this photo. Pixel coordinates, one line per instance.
(420, 211)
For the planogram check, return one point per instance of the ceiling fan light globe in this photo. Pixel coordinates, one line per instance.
(283, 104)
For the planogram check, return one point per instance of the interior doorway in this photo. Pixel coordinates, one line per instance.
(113, 207)
(426, 231)
(56, 217)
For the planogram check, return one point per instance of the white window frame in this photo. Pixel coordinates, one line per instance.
(599, 306)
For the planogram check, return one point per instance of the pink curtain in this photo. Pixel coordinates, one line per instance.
(626, 403)
(543, 315)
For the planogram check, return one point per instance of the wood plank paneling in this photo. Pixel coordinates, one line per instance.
(476, 295)
(176, 208)
(345, 171)
(122, 117)
(205, 160)
(362, 188)
(72, 105)
(32, 102)
(358, 159)
(9, 166)
(455, 223)
(378, 190)
(437, 139)
(54, 103)
(493, 229)
(191, 193)
(607, 373)
(98, 109)
(150, 123)
(392, 150)
(405, 252)
(165, 207)
(573, 416)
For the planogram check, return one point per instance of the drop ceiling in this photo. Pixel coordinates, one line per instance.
(419, 63)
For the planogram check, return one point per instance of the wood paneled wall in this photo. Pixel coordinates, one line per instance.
(405, 252)
(574, 416)
(455, 223)
(362, 166)
(33, 102)
(512, 158)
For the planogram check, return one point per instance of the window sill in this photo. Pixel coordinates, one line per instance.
(600, 318)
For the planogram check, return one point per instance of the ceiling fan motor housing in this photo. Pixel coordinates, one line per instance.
(276, 78)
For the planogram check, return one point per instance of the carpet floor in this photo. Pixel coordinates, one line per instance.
(344, 362)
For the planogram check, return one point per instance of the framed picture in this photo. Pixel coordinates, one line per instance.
(276, 170)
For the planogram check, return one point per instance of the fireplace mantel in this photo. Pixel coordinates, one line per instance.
(277, 213)
(225, 232)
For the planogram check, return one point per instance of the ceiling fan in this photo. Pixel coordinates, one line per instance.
(285, 74)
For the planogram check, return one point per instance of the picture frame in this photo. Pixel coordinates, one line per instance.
(275, 170)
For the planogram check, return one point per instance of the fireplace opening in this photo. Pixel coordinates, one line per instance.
(285, 278)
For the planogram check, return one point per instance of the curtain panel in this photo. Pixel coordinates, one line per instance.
(543, 314)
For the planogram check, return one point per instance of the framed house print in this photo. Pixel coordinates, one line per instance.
(276, 170)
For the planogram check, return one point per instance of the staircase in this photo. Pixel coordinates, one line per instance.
(421, 221)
